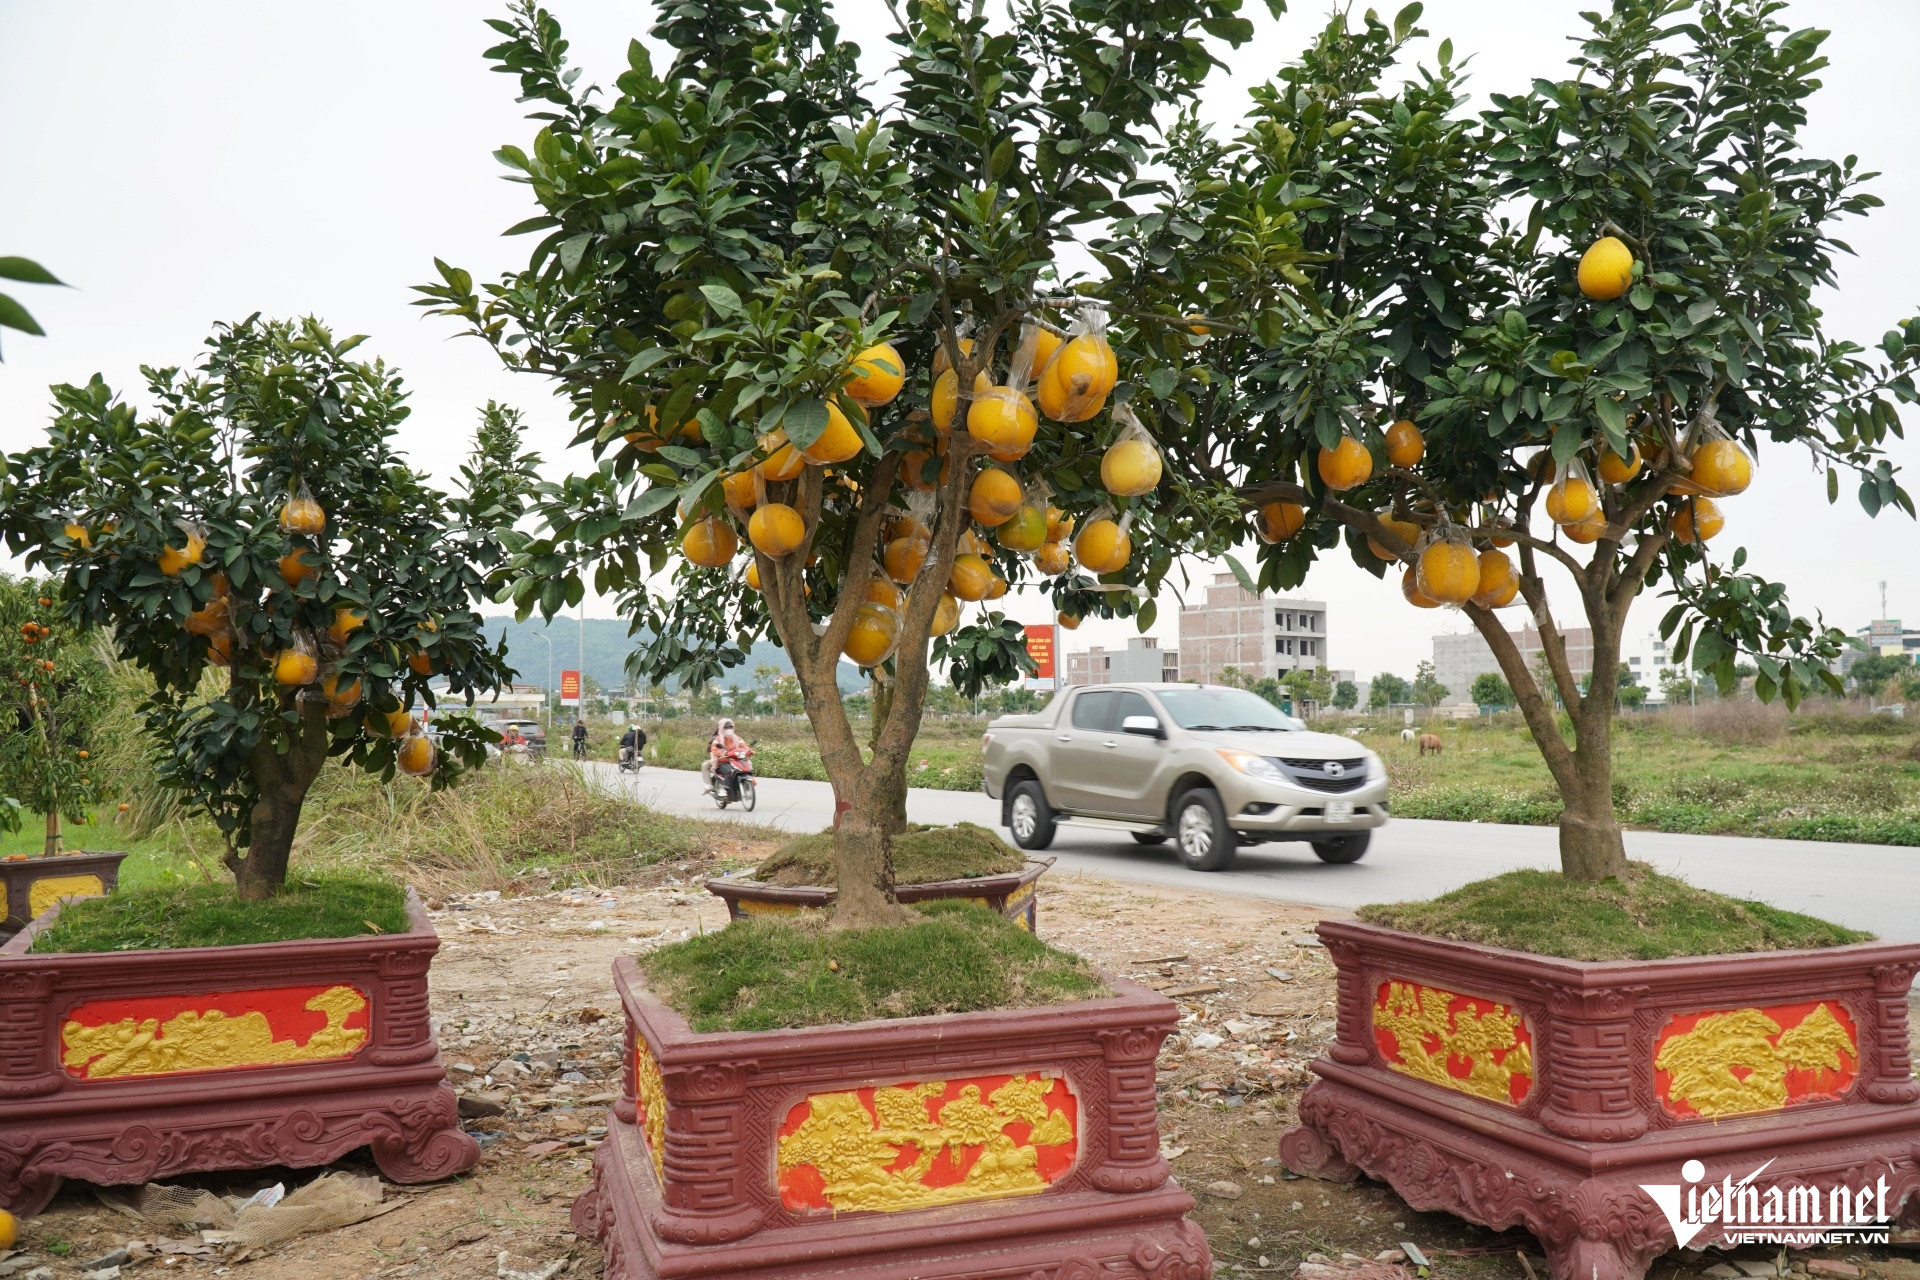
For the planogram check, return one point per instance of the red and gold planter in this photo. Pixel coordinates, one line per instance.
(1018, 1143)
(122, 1067)
(1015, 894)
(30, 886)
(1522, 1090)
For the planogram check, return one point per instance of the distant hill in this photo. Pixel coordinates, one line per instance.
(607, 645)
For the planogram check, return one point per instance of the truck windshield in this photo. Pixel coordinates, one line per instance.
(1214, 707)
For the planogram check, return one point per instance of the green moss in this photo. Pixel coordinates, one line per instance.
(762, 974)
(921, 855)
(1646, 916)
(209, 915)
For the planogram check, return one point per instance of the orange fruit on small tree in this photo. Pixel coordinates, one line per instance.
(1102, 547)
(1615, 469)
(1346, 465)
(1003, 419)
(1406, 530)
(837, 442)
(1410, 588)
(875, 629)
(776, 530)
(970, 578)
(1606, 269)
(877, 375)
(1405, 445)
(783, 461)
(1498, 582)
(709, 542)
(1130, 468)
(1722, 468)
(1449, 572)
(1052, 559)
(1280, 520)
(945, 399)
(1025, 531)
(903, 558)
(1696, 520)
(416, 755)
(994, 498)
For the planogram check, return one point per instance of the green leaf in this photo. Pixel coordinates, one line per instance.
(1566, 441)
(1094, 122)
(26, 271)
(721, 298)
(1833, 486)
(1239, 575)
(14, 316)
(1149, 611)
(1613, 416)
(645, 361)
(804, 421)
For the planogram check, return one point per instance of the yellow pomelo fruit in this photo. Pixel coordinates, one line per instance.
(294, 667)
(1003, 420)
(876, 378)
(295, 567)
(940, 362)
(174, 559)
(302, 515)
(946, 397)
(1586, 531)
(783, 461)
(710, 542)
(1345, 465)
(1449, 573)
(880, 591)
(1571, 501)
(1410, 588)
(1697, 520)
(738, 489)
(994, 497)
(1052, 559)
(875, 627)
(1498, 582)
(971, 577)
(1615, 469)
(415, 755)
(1606, 269)
(837, 443)
(1405, 445)
(1102, 547)
(775, 530)
(1281, 520)
(1130, 468)
(1059, 525)
(1722, 468)
(903, 558)
(946, 615)
(1406, 530)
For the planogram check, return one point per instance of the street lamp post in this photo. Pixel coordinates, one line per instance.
(547, 693)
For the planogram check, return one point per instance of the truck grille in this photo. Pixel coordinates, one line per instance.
(1313, 774)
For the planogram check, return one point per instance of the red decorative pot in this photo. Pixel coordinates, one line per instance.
(1014, 894)
(28, 886)
(1014, 1143)
(1522, 1090)
(125, 1066)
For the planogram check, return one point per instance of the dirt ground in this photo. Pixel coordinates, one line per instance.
(527, 1020)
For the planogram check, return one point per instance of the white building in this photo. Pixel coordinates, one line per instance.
(1459, 659)
(1257, 635)
(1143, 661)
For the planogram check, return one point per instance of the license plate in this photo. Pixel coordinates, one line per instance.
(1339, 811)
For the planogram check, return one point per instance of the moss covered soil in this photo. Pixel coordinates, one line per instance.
(1646, 916)
(765, 974)
(209, 915)
(921, 855)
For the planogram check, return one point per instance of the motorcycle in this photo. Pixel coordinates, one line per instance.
(742, 781)
(629, 760)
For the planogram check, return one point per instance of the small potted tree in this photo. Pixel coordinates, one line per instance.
(839, 380)
(296, 593)
(51, 693)
(1552, 341)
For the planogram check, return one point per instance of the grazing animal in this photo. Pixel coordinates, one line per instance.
(1430, 742)
(1406, 735)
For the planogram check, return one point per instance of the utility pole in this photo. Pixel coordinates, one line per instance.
(580, 712)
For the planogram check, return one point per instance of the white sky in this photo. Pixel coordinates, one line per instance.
(184, 163)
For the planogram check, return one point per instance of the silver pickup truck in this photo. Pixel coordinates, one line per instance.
(1210, 766)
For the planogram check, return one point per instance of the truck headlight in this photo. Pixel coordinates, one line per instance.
(1252, 765)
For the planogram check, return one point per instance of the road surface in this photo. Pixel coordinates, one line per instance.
(1865, 886)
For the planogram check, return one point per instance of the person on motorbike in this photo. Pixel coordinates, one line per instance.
(512, 741)
(632, 743)
(729, 754)
(579, 739)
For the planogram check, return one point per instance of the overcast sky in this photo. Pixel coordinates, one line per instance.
(184, 163)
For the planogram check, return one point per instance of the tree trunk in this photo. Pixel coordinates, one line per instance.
(1590, 844)
(895, 818)
(53, 832)
(284, 773)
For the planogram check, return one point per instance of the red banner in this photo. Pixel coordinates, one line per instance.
(569, 688)
(1040, 648)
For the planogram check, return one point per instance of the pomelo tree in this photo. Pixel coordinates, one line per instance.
(253, 542)
(1552, 336)
(839, 328)
(53, 689)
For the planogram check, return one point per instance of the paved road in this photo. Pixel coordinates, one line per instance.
(1866, 886)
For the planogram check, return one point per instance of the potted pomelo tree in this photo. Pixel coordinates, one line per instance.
(842, 390)
(1482, 351)
(52, 690)
(294, 590)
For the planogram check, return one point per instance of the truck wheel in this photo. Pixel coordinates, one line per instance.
(1201, 831)
(1030, 816)
(1347, 848)
(1150, 837)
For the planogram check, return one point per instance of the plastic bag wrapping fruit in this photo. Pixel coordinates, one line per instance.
(1573, 499)
(1447, 570)
(1719, 467)
(1132, 464)
(1076, 381)
(301, 513)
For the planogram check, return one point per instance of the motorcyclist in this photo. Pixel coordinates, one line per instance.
(632, 743)
(579, 739)
(728, 752)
